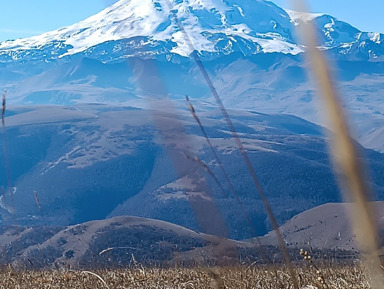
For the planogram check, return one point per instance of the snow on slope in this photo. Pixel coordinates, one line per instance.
(336, 34)
(331, 31)
(207, 23)
(147, 29)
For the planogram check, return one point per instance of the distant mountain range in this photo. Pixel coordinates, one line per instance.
(147, 29)
(249, 48)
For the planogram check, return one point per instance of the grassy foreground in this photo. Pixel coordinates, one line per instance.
(229, 277)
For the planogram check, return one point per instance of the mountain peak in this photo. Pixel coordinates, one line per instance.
(214, 26)
(147, 29)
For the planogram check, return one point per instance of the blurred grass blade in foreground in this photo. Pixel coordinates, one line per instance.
(345, 155)
(239, 144)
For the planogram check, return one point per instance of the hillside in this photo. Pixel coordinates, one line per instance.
(88, 162)
(117, 242)
(326, 227)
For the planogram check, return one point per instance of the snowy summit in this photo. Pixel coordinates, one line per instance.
(148, 29)
(214, 26)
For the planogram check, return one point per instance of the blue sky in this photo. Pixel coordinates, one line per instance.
(23, 18)
(365, 15)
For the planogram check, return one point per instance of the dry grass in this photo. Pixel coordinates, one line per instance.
(230, 277)
(345, 155)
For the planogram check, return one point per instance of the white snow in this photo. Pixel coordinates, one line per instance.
(329, 26)
(240, 10)
(183, 188)
(375, 37)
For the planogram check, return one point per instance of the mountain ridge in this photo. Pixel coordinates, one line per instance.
(147, 29)
(89, 162)
(116, 242)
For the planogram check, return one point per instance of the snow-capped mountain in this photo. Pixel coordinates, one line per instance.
(148, 29)
(249, 47)
(332, 31)
(346, 41)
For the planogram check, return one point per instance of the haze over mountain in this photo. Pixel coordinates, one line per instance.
(250, 49)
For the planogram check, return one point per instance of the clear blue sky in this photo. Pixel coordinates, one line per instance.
(23, 18)
(365, 15)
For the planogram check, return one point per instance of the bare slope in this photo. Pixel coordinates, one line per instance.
(323, 227)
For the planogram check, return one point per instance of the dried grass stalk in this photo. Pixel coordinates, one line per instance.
(345, 156)
(97, 276)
